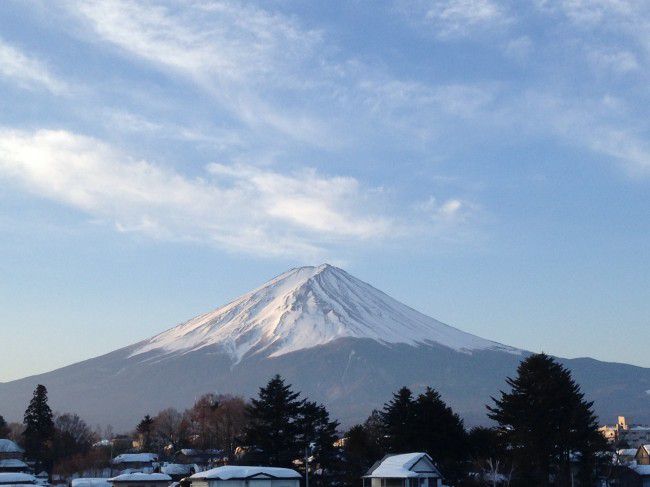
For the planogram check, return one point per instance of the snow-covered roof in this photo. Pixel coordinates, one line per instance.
(230, 472)
(176, 469)
(646, 448)
(141, 477)
(12, 463)
(402, 466)
(10, 478)
(643, 470)
(135, 457)
(8, 446)
(626, 452)
(90, 482)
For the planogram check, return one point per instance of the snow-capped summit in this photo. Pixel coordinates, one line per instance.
(306, 307)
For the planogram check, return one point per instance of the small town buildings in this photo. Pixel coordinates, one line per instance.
(191, 456)
(235, 476)
(135, 462)
(17, 478)
(403, 470)
(642, 456)
(139, 479)
(90, 482)
(622, 431)
(11, 457)
(178, 471)
(625, 455)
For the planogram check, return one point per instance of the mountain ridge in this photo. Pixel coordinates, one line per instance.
(345, 367)
(305, 307)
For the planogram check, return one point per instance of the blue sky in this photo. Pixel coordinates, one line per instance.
(486, 162)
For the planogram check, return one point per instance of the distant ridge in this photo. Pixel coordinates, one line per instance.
(334, 337)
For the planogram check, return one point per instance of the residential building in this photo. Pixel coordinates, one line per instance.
(642, 456)
(624, 432)
(17, 478)
(135, 462)
(404, 470)
(178, 471)
(139, 479)
(11, 457)
(246, 476)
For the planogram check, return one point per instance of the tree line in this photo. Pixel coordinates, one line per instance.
(545, 433)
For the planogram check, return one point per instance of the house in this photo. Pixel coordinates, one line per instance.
(135, 462)
(625, 455)
(231, 476)
(199, 457)
(90, 482)
(403, 470)
(17, 478)
(642, 456)
(178, 471)
(139, 479)
(11, 457)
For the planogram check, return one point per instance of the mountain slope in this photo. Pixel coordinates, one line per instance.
(307, 307)
(338, 339)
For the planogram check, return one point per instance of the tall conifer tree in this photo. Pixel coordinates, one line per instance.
(39, 429)
(273, 423)
(547, 423)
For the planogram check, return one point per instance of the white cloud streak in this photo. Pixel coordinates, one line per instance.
(238, 54)
(235, 207)
(27, 71)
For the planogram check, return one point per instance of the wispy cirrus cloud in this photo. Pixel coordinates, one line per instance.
(26, 70)
(453, 19)
(235, 207)
(241, 55)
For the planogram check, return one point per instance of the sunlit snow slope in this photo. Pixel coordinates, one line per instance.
(307, 307)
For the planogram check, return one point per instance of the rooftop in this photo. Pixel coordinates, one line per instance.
(135, 457)
(230, 472)
(16, 478)
(8, 446)
(141, 477)
(400, 466)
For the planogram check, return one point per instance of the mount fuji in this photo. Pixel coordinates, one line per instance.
(334, 337)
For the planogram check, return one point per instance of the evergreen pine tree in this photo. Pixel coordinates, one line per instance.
(145, 431)
(440, 432)
(273, 424)
(362, 449)
(317, 434)
(39, 430)
(546, 421)
(398, 417)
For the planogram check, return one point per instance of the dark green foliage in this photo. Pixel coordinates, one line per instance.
(4, 428)
(145, 431)
(39, 430)
(272, 424)
(424, 423)
(440, 432)
(488, 454)
(398, 418)
(317, 433)
(547, 422)
(362, 449)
